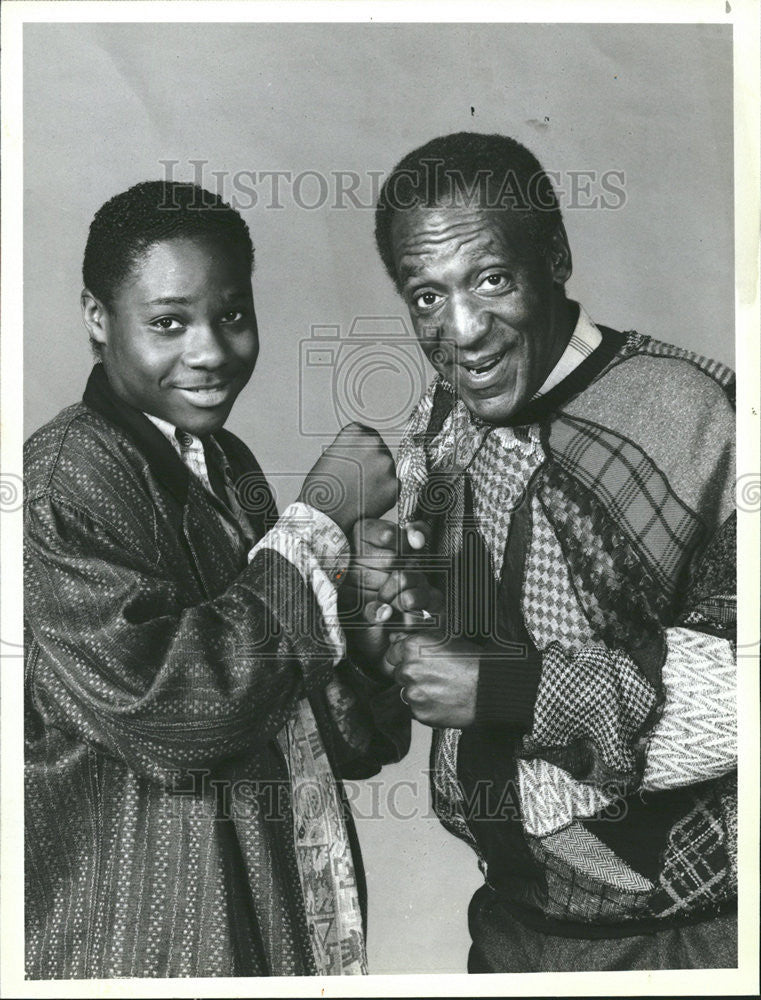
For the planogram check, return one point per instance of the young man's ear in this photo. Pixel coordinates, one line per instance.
(95, 319)
(561, 262)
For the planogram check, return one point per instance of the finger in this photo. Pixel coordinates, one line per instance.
(395, 652)
(375, 533)
(412, 599)
(356, 429)
(418, 534)
(398, 581)
(368, 577)
(376, 613)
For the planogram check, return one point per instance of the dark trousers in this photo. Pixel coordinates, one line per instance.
(502, 943)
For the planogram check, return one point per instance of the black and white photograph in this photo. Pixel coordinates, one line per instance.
(380, 499)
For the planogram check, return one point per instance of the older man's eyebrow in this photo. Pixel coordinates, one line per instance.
(475, 254)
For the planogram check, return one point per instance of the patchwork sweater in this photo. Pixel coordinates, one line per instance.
(588, 548)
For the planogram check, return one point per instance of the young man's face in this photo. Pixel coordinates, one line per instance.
(485, 308)
(180, 340)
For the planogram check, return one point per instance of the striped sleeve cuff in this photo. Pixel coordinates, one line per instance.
(319, 550)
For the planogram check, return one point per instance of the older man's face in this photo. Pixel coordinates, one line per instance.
(484, 306)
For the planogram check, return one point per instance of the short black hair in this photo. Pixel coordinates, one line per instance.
(498, 170)
(131, 222)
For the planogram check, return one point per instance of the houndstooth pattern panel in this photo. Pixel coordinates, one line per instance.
(611, 703)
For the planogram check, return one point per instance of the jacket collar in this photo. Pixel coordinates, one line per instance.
(163, 460)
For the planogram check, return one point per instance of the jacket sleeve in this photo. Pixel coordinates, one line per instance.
(120, 662)
(369, 720)
(373, 723)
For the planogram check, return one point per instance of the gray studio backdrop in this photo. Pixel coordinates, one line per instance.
(296, 124)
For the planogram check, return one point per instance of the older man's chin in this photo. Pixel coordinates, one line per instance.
(496, 410)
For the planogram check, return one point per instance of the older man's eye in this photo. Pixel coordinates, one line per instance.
(494, 282)
(425, 300)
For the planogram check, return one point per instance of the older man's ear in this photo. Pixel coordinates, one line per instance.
(561, 262)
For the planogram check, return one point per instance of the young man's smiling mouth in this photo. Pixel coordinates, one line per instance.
(211, 394)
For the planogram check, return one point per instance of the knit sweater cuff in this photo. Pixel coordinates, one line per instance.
(507, 689)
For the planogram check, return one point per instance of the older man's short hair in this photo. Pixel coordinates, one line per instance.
(495, 170)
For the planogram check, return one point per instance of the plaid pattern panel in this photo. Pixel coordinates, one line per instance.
(600, 725)
(619, 596)
(727, 792)
(551, 799)
(696, 869)
(634, 493)
(696, 736)
(550, 607)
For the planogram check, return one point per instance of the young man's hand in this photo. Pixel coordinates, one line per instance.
(354, 477)
(438, 677)
(384, 592)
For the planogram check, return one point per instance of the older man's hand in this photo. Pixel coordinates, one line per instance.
(438, 677)
(383, 590)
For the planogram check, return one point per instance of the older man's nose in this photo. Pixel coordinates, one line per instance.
(469, 321)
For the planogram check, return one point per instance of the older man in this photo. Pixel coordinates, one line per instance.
(578, 482)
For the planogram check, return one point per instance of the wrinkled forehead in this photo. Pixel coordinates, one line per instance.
(427, 232)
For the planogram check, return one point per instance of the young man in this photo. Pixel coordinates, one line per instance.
(189, 708)
(582, 696)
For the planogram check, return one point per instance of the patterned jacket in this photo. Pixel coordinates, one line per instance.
(589, 550)
(160, 667)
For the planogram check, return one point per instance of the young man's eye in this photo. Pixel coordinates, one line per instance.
(232, 316)
(426, 300)
(167, 324)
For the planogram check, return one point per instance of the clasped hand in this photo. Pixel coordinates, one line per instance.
(382, 600)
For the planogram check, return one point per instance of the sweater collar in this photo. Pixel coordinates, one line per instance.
(578, 379)
(163, 460)
(440, 399)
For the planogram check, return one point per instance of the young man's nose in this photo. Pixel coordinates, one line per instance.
(205, 347)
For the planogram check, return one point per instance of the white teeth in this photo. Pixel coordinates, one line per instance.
(483, 368)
